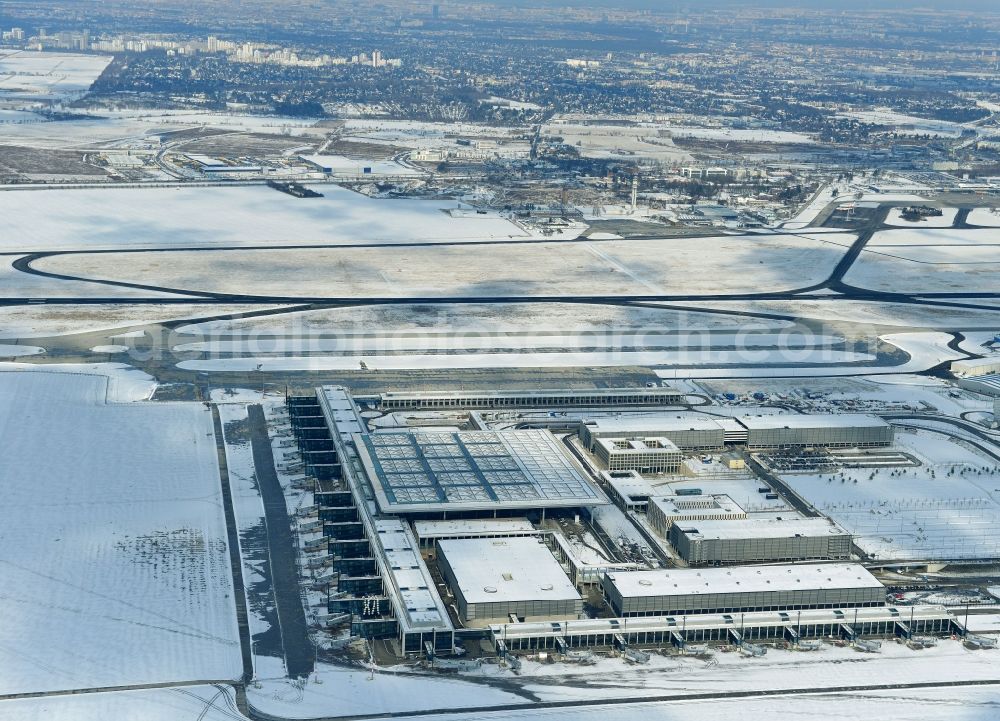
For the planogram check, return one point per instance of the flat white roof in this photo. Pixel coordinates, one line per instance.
(761, 528)
(649, 425)
(742, 579)
(817, 420)
(640, 445)
(672, 506)
(490, 570)
(435, 529)
(628, 483)
(420, 604)
(756, 619)
(530, 393)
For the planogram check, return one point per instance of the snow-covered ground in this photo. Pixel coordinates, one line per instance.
(815, 206)
(928, 260)
(184, 703)
(943, 236)
(521, 360)
(906, 124)
(112, 540)
(76, 219)
(248, 507)
(534, 318)
(122, 383)
(945, 220)
(612, 678)
(926, 350)
(33, 321)
(958, 704)
(948, 507)
(693, 344)
(987, 217)
(14, 351)
(45, 76)
(615, 267)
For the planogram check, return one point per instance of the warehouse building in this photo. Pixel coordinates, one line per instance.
(648, 455)
(846, 430)
(499, 578)
(745, 589)
(579, 398)
(759, 540)
(664, 511)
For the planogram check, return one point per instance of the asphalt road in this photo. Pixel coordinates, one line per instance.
(300, 655)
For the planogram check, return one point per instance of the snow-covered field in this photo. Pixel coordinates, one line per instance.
(988, 217)
(906, 124)
(522, 318)
(944, 237)
(611, 678)
(14, 351)
(617, 267)
(122, 383)
(77, 219)
(113, 548)
(928, 260)
(741, 135)
(949, 507)
(693, 345)
(959, 704)
(518, 360)
(945, 220)
(926, 350)
(185, 703)
(46, 76)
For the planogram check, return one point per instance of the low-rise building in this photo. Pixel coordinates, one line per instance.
(744, 589)
(759, 540)
(496, 578)
(648, 455)
(664, 511)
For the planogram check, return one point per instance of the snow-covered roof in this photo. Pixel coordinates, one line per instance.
(651, 424)
(628, 484)
(760, 528)
(418, 602)
(648, 444)
(688, 506)
(742, 579)
(490, 570)
(472, 526)
(813, 420)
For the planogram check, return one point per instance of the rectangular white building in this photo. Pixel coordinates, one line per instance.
(494, 578)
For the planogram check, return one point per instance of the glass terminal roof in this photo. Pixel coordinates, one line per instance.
(474, 469)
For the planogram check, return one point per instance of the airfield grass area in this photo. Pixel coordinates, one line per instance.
(667, 266)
